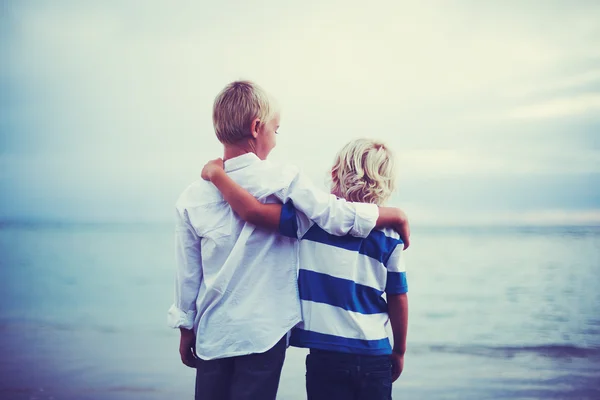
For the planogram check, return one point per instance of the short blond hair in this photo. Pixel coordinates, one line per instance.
(364, 171)
(236, 106)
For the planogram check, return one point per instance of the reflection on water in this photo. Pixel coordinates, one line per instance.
(495, 313)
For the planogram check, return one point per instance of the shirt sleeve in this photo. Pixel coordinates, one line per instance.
(396, 272)
(292, 223)
(188, 277)
(288, 221)
(336, 216)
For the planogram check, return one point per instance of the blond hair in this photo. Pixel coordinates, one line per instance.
(236, 106)
(364, 171)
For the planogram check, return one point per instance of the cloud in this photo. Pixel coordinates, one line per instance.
(580, 81)
(562, 107)
(113, 97)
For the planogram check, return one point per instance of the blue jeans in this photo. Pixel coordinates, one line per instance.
(343, 376)
(251, 377)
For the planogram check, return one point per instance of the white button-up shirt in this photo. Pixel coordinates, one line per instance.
(236, 284)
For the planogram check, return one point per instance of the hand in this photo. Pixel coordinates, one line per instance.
(397, 365)
(395, 218)
(211, 167)
(403, 228)
(187, 347)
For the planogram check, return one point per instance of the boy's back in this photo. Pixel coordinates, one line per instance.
(236, 311)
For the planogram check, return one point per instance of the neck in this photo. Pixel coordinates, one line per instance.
(238, 149)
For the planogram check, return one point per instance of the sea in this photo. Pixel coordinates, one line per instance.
(495, 313)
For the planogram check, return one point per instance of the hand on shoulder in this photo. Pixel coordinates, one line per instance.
(212, 167)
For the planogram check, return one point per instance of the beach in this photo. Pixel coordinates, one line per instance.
(495, 313)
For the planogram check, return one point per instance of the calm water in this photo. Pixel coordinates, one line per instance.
(494, 314)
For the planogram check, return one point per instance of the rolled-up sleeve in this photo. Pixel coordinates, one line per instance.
(335, 216)
(365, 219)
(188, 277)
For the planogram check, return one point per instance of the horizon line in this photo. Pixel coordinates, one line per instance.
(49, 222)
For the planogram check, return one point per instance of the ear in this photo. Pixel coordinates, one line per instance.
(254, 127)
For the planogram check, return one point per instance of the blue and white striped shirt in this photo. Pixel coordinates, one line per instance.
(341, 282)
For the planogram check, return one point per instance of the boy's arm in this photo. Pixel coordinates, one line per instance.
(396, 289)
(241, 201)
(339, 217)
(188, 279)
(329, 213)
(398, 312)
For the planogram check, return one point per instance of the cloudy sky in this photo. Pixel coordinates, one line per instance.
(493, 108)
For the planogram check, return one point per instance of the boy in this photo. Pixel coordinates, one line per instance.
(235, 287)
(342, 279)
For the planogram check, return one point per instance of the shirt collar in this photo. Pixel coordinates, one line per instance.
(240, 162)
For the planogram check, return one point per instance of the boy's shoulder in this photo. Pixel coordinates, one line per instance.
(198, 193)
(275, 173)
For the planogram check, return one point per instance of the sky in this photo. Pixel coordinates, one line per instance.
(492, 108)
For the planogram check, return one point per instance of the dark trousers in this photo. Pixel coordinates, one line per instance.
(343, 376)
(251, 377)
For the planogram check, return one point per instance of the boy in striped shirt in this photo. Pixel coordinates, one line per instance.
(342, 280)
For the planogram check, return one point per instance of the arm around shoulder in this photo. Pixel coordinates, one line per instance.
(243, 203)
(335, 216)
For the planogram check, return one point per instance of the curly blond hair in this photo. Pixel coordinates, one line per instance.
(364, 171)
